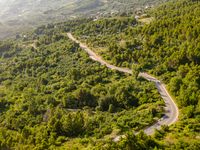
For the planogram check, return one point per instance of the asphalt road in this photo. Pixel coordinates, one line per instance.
(171, 109)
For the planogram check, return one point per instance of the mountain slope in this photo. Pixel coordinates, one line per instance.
(52, 94)
(17, 15)
(167, 47)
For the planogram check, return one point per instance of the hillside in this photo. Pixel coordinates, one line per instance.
(18, 15)
(167, 47)
(54, 96)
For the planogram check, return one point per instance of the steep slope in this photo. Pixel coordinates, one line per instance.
(52, 95)
(171, 110)
(167, 47)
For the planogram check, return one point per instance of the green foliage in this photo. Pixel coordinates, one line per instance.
(167, 47)
(129, 142)
(52, 93)
(54, 96)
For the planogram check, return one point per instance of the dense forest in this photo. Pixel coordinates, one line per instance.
(53, 96)
(52, 93)
(167, 47)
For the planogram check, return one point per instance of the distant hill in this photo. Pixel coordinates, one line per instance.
(18, 15)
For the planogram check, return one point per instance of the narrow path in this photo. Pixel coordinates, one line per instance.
(171, 110)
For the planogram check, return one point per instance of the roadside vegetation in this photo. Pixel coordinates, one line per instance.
(52, 93)
(168, 48)
(53, 96)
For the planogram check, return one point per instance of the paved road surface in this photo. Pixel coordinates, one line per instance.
(171, 110)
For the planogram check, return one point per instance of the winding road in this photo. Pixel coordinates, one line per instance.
(171, 109)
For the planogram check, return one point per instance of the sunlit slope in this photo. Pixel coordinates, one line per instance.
(17, 15)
